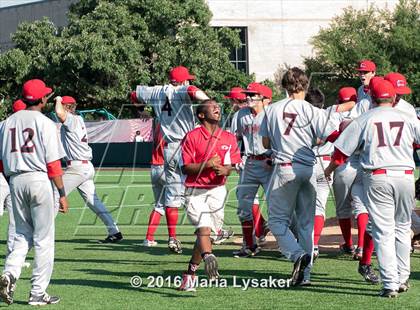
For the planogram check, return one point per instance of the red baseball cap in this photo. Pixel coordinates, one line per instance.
(257, 88)
(347, 94)
(180, 74)
(366, 66)
(18, 105)
(68, 100)
(35, 89)
(375, 80)
(399, 82)
(236, 93)
(382, 90)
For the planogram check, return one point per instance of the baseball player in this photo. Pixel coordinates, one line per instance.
(400, 85)
(367, 70)
(238, 100)
(323, 157)
(30, 154)
(172, 105)
(290, 128)
(80, 172)
(258, 165)
(347, 183)
(208, 155)
(157, 175)
(5, 198)
(385, 139)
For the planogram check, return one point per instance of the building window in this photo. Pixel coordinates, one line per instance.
(239, 56)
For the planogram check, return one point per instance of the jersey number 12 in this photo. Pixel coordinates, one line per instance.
(25, 148)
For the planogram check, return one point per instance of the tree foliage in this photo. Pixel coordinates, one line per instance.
(390, 38)
(109, 47)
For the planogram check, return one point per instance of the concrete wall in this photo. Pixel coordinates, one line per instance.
(279, 30)
(10, 17)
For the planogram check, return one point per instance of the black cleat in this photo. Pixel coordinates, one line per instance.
(368, 274)
(43, 300)
(246, 252)
(404, 287)
(174, 245)
(345, 249)
(302, 262)
(115, 238)
(358, 253)
(7, 287)
(387, 293)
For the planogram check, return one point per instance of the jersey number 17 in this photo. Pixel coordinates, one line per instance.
(380, 131)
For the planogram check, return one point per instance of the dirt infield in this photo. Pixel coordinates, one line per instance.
(330, 239)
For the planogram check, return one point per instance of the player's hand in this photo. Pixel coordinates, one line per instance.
(58, 99)
(327, 172)
(214, 161)
(221, 170)
(64, 205)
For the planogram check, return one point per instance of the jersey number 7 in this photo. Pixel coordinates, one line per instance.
(292, 117)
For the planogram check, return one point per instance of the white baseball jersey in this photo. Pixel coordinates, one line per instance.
(173, 108)
(384, 137)
(337, 117)
(248, 129)
(363, 104)
(293, 127)
(74, 138)
(30, 141)
(406, 107)
(234, 124)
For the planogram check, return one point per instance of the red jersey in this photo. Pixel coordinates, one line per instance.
(199, 145)
(158, 144)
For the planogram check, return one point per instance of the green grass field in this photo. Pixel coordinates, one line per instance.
(89, 275)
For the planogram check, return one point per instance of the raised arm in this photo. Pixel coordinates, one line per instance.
(59, 109)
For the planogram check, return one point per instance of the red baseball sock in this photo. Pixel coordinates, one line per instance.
(368, 248)
(318, 226)
(258, 220)
(154, 221)
(345, 225)
(362, 221)
(171, 220)
(247, 232)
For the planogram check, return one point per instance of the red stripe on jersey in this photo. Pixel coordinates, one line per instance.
(192, 90)
(158, 145)
(1, 166)
(334, 136)
(338, 157)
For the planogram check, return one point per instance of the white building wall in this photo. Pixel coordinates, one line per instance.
(279, 31)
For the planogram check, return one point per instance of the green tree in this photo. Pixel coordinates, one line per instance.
(390, 38)
(109, 47)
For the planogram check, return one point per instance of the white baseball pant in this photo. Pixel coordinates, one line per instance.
(292, 191)
(33, 209)
(80, 175)
(390, 201)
